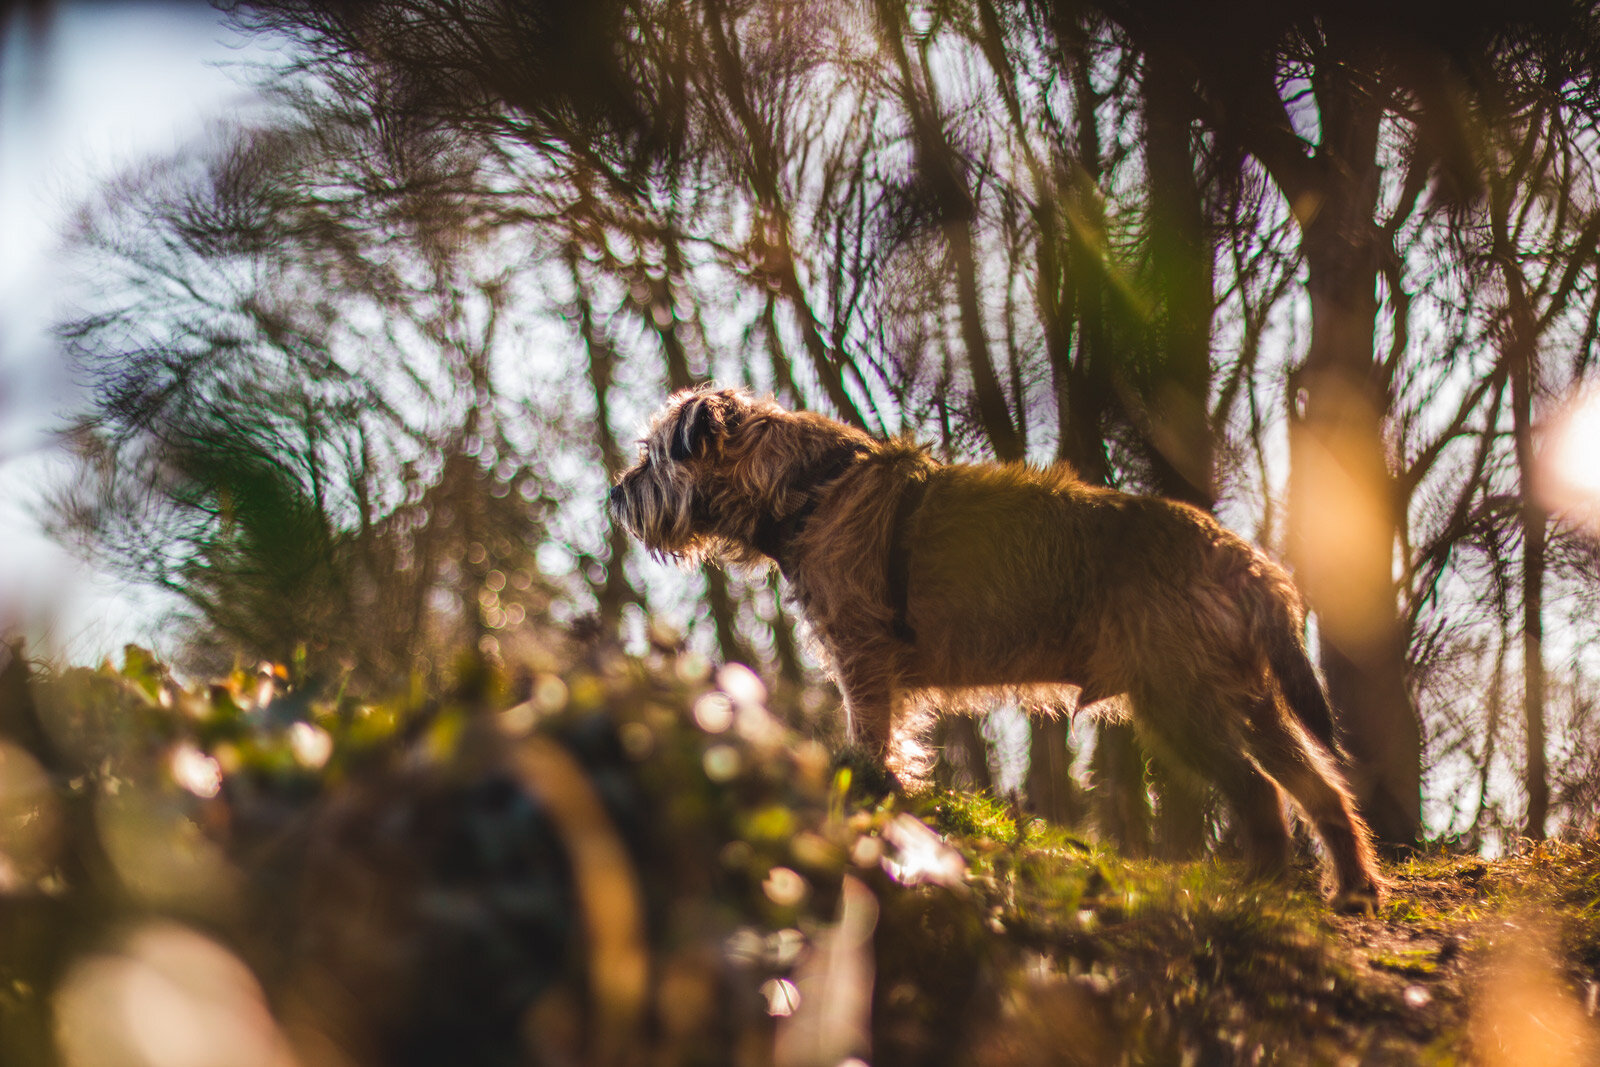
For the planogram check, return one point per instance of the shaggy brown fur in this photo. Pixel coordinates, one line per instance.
(925, 583)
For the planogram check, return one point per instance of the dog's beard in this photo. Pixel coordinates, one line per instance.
(660, 514)
(674, 524)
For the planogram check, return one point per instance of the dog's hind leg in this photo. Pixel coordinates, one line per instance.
(1191, 731)
(1307, 771)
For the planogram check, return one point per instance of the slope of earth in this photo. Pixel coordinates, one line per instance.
(638, 863)
(1104, 960)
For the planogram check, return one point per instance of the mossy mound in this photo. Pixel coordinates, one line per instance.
(636, 862)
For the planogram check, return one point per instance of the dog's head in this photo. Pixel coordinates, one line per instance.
(660, 499)
(714, 465)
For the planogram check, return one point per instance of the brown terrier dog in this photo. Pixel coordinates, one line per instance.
(927, 583)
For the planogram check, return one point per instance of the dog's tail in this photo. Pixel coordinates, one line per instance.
(1290, 663)
(1302, 690)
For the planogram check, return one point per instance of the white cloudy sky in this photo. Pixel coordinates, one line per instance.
(95, 88)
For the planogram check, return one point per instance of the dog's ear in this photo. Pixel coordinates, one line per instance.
(701, 421)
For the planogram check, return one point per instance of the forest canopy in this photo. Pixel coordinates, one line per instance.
(363, 367)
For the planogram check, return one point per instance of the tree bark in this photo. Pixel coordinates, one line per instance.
(1180, 254)
(1122, 804)
(615, 591)
(1342, 502)
(1177, 432)
(724, 617)
(1051, 790)
(1521, 354)
(1533, 521)
(963, 752)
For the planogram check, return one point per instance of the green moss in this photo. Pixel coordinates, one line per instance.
(1414, 963)
(971, 815)
(1052, 941)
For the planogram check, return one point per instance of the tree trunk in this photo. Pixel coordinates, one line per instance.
(1051, 790)
(1533, 566)
(1533, 561)
(785, 648)
(1343, 517)
(963, 755)
(1491, 732)
(1522, 358)
(1177, 437)
(724, 617)
(614, 591)
(994, 412)
(1122, 804)
(1180, 255)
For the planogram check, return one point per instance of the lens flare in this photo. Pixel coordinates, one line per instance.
(168, 997)
(919, 856)
(196, 771)
(312, 745)
(782, 996)
(1570, 459)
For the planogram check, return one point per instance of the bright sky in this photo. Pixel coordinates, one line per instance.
(100, 87)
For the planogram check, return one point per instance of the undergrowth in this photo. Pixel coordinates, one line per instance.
(635, 862)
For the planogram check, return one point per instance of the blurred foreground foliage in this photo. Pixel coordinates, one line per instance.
(633, 861)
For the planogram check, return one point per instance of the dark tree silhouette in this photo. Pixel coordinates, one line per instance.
(1151, 243)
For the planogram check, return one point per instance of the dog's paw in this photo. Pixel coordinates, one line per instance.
(870, 780)
(1362, 901)
(1272, 867)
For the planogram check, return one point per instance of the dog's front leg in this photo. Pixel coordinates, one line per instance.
(868, 691)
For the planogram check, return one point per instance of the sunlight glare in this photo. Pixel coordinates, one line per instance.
(170, 997)
(312, 745)
(713, 712)
(782, 997)
(784, 887)
(30, 818)
(920, 856)
(1570, 459)
(742, 684)
(196, 771)
(1526, 1013)
(1576, 451)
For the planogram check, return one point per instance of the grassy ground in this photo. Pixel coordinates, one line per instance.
(635, 863)
(1468, 961)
